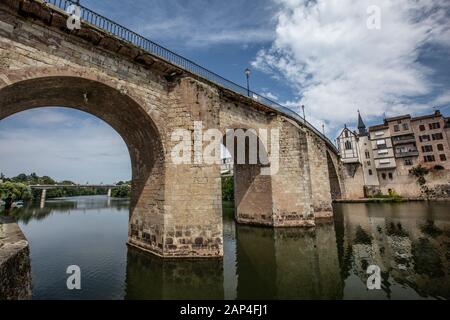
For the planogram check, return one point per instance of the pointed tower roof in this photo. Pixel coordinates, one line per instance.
(361, 126)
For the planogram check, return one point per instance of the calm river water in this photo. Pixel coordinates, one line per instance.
(410, 242)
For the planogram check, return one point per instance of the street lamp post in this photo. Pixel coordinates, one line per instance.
(247, 74)
(303, 109)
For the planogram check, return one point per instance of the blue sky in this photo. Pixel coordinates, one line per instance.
(317, 53)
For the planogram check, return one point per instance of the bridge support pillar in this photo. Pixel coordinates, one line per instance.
(109, 193)
(187, 222)
(43, 196)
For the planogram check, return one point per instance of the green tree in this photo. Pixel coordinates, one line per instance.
(122, 191)
(228, 188)
(20, 191)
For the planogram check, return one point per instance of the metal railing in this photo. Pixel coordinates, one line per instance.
(153, 48)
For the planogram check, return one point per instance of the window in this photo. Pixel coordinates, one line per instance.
(383, 151)
(391, 176)
(437, 136)
(381, 143)
(368, 163)
(405, 126)
(370, 172)
(435, 125)
(396, 128)
(440, 147)
(422, 127)
(379, 133)
(429, 158)
(443, 157)
(385, 161)
(427, 148)
(346, 133)
(408, 162)
(424, 138)
(367, 154)
(348, 145)
(383, 175)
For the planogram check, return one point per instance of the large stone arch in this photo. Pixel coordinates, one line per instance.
(117, 106)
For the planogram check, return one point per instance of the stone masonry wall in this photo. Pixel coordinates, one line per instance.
(15, 269)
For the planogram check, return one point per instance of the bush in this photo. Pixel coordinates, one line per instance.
(419, 172)
(20, 191)
(122, 191)
(228, 188)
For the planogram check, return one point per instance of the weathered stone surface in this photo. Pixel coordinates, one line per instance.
(36, 9)
(15, 269)
(59, 21)
(110, 44)
(89, 35)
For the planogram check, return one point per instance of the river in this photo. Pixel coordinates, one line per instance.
(409, 242)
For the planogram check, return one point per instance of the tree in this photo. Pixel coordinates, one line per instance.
(419, 172)
(21, 178)
(122, 191)
(228, 188)
(20, 191)
(47, 180)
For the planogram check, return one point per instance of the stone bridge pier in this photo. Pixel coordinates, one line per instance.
(176, 207)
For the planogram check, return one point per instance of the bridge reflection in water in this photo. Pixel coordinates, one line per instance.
(409, 242)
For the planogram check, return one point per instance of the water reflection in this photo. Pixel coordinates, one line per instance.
(409, 242)
(151, 277)
(288, 263)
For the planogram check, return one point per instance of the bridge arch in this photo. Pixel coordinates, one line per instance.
(253, 202)
(117, 107)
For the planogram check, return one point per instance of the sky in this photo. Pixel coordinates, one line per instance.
(333, 56)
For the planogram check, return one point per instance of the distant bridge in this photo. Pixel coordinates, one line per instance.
(45, 187)
(57, 186)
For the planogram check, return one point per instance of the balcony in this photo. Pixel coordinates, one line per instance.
(411, 153)
(403, 140)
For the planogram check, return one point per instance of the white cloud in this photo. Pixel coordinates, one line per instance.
(442, 100)
(336, 65)
(202, 24)
(270, 95)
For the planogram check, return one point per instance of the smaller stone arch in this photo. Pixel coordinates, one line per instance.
(252, 187)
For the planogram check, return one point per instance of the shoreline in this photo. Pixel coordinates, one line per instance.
(390, 200)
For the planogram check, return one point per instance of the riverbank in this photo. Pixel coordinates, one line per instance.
(15, 268)
(389, 200)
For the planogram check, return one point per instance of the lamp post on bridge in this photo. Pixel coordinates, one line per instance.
(247, 74)
(303, 109)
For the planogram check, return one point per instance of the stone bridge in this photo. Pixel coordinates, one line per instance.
(176, 209)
